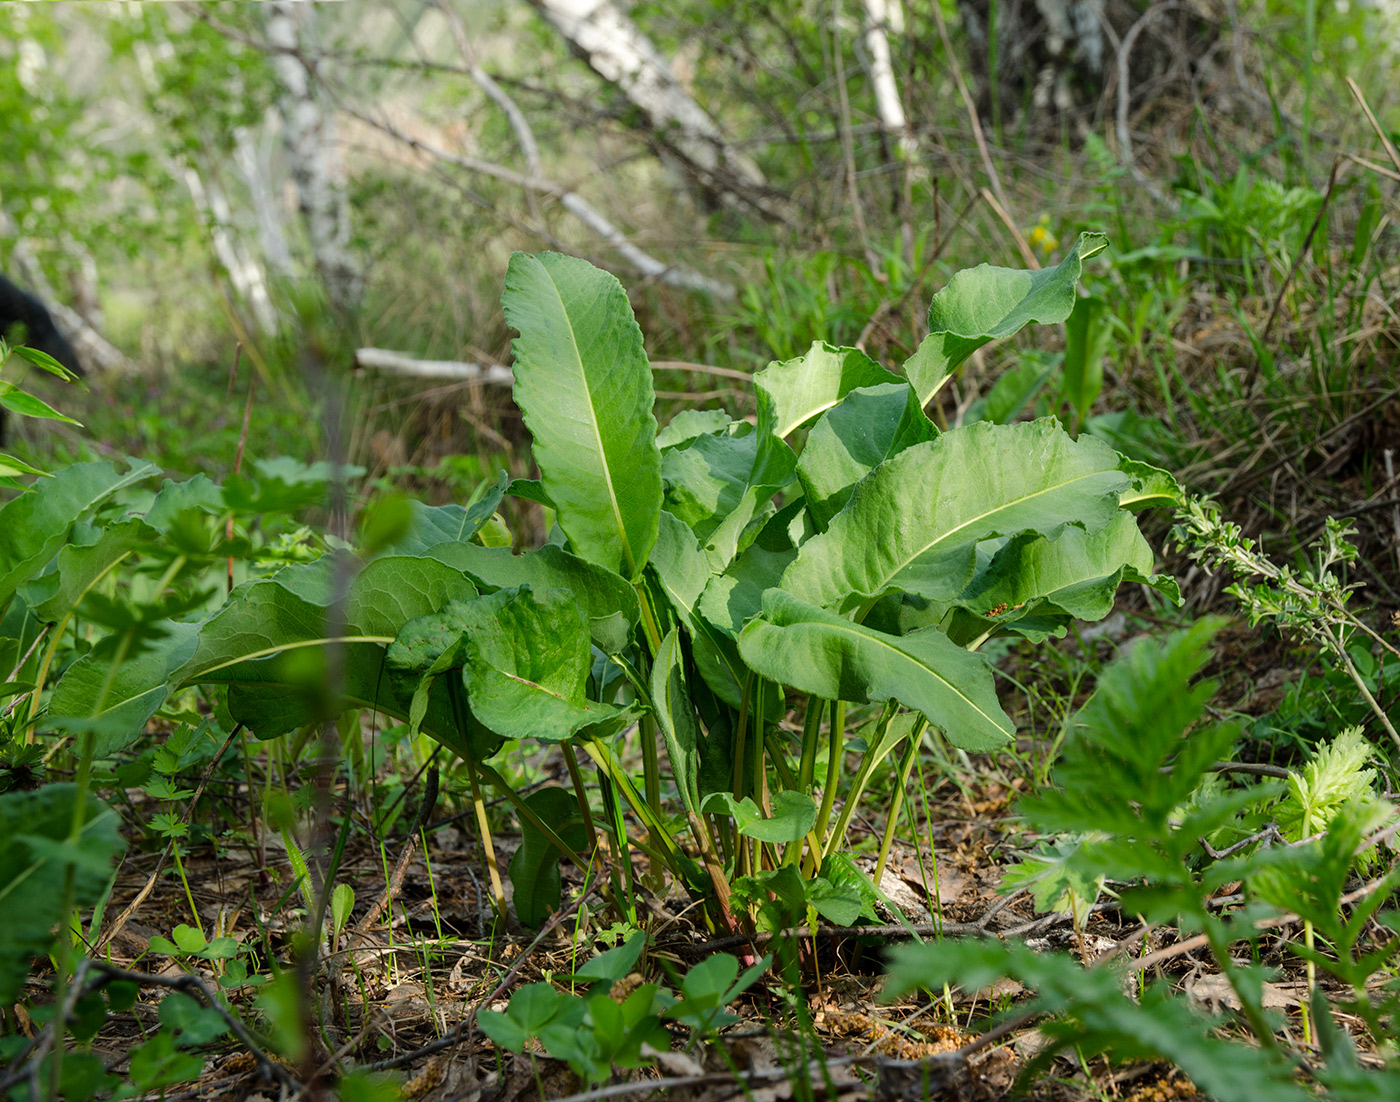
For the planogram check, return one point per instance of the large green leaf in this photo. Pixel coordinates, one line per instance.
(1051, 582)
(682, 571)
(794, 391)
(83, 562)
(527, 664)
(735, 596)
(675, 715)
(116, 701)
(294, 609)
(610, 602)
(914, 523)
(690, 423)
(427, 658)
(35, 525)
(433, 524)
(34, 862)
(534, 870)
(854, 437)
(818, 652)
(269, 643)
(719, 482)
(583, 384)
(987, 303)
(1150, 486)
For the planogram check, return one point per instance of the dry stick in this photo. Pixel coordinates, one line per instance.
(908, 1071)
(995, 180)
(1332, 179)
(185, 982)
(1386, 143)
(978, 928)
(130, 909)
(707, 369)
(888, 306)
(1395, 509)
(1191, 944)
(1032, 261)
(464, 1027)
(1255, 476)
(1371, 166)
(672, 274)
(14, 673)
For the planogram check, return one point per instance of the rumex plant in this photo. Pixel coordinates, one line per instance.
(839, 551)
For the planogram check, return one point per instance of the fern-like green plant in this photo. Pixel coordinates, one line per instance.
(1135, 785)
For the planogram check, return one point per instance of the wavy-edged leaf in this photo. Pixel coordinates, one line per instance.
(81, 564)
(610, 602)
(914, 523)
(734, 597)
(690, 423)
(35, 525)
(987, 303)
(433, 524)
(719, 482)
(269, 643)
(792, 392)
(1073, 577)
(1150, 486)
(584, 386)
(868, 426)
(527, 664)
(117, 705)
(818, 652)
(425, 660)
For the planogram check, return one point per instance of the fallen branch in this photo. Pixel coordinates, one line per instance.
(465, 1026)
(670, 274)
(396, 363)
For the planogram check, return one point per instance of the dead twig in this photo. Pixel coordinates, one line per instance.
(131, 908)
(1258, 364)
(464, 1027)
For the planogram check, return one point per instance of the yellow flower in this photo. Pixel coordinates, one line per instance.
(1040, 238)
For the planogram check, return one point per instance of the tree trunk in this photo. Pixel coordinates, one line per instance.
(605, 37)
(308, 129)
(881, 19)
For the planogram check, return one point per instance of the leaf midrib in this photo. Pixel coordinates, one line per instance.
(879, 641)
(594, 425)
(944, 536)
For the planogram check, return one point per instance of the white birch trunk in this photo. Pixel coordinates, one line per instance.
(880, 19)
(245, 273)
(308, 130)
(253, 157)
(621, 54)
